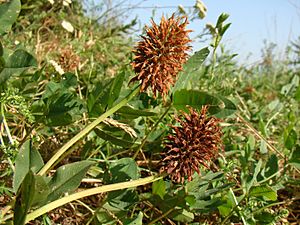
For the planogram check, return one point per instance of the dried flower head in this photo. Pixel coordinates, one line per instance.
(195, 142)
(69, 60)
(160, 55)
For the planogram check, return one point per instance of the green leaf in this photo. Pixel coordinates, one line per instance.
(265, 218)
(22, 165)
(198, 182)
(263, 191)
(130, 112)
(2, 64)
(41, 190)
(228, 205)
(192, 65)
(218, 106)
(27, 159)
(205, 206)
(201, 189)
(275, 105)
(124, 169)
(59, 104)
(297, 94)
(21, 59)
(254, 175)
(182, 215)
(121, 170)
(263, 147)
(36, 160)
(136, 221)
(251, 142)
(1, 49)
(225, 209)
(226, 109)
(63, 109)
(295, 157)
(290, 87)
(17, 63)
(190, 200)
(112, 139)
(224, 29)
(69, 80)
(9, 12)
(24, 198)
(67, 178)
(102, 217)
(115, 88)
(97, 98)
(205, 191)
(159, 188)
(290, 139)
(170, 201)
(195, 99)
(221, 19)
(118, 201)
(272, 166)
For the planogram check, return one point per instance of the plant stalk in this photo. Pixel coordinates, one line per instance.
(106, 188)
(152, 129)
(260, 136)
(11, 140)
(161, 217)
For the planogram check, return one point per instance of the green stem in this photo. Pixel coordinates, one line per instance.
(92, 191)
(273, 175)
(259, 135)
(161, 217)
(1, 138)
(268, 206)
(152, 129)
(233, 210)
(56, 158)
(214, 58)
(11, 140)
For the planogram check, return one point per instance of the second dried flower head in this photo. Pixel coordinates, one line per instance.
(161, 54)
(195, 142)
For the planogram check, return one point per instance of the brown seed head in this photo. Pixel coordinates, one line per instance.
(69, 60)
(195, 142)
(160, 55)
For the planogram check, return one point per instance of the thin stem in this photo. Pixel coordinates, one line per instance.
(57, 156)
(263, 138)
(260, 136)
(273, 175)
(268, 206)
(86, 206)
(152, 129)
(232, 211)
(161, 217)
(89, 192)
(80, 94)
(214, 58)
(11, 140)
(236, 203)
(1, 138)
(273, 117)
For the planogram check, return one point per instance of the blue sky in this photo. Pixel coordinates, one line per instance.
(253, 21)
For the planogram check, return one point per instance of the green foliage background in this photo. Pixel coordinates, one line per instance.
(54, 83)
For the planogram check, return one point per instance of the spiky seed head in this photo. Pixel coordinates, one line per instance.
(195, 142)
(161, 53)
